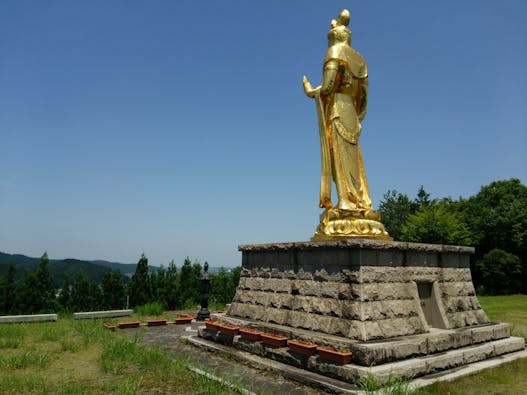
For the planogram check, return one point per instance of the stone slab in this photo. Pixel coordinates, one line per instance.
(389, 350)
(28, 318)
(437, 364)
(102, 314)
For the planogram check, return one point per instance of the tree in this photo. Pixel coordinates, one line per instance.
(28, 298)
(221, 286)
(422, 199)
(395, 208)
(438, 224)
(2, 295)
(498, 217)
(171, 292)
(224, 284)
(113, 290)
(85, 295)
(139, 287)
(501, 272)
(189, 283)
(46, 291)
(10, 289)
(65, 295)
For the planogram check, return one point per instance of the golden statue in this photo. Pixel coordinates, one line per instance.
(341, 106)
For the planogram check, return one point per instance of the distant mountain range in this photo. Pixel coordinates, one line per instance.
(64, 268)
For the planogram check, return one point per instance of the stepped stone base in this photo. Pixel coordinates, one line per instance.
(410, 368)
(405, 309)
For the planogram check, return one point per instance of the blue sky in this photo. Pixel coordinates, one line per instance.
(181, 129)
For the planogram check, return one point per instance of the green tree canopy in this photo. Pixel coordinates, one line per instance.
(501, 272)
(436, 223)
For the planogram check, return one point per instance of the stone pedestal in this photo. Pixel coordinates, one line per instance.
(358, 289)
(405, 309)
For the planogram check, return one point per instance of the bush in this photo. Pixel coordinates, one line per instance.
(154, 308)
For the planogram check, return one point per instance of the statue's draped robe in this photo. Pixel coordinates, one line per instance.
(343, 109)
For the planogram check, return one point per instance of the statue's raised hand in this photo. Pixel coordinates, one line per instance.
(308, 88)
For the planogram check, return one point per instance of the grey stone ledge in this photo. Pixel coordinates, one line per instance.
(358, 243)
(102, 314)
(27, 318)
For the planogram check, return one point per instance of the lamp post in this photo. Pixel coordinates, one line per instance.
(204, 294)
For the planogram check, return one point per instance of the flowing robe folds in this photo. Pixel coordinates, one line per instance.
(341, 105)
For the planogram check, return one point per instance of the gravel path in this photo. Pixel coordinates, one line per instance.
(251, 380)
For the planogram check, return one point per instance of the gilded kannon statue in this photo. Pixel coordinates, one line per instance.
(341, 102)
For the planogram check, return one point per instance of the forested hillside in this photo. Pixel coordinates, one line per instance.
(62, 269)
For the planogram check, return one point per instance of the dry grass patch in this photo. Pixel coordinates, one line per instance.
(80, 356)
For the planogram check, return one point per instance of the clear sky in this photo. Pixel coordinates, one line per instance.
(180, 128)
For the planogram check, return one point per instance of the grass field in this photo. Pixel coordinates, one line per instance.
(72, 357)
(508, 379)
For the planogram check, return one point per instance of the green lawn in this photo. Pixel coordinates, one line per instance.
(508, 379)
(72, 357)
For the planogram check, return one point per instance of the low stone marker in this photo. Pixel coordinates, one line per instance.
(102, 314)
(6, 319)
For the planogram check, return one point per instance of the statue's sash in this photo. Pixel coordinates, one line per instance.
(325, 178)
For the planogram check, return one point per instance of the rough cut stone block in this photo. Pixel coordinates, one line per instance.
(400, 326)
(385, 291)
(352, 275)
(309, 288)
(304, 275)
(438, 342)
(381, 310)
(276, 316)
(501, 331)
(278, 301)
(341, 327)
(423, 274)
(481, 317)
(406, 369)
(382, 274)
(444, 361)
(254, 284)
(330, 290)
(461, 338)
(455, 275)
(482, 334)
(277, 285)
(325, 306)
(351, 310)
(465, 288)
(479, 353)
(298, 319)
(511, 344)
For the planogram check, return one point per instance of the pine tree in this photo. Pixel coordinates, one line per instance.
(10, 289)
(65, 295)
(139, 287)
(46, 292)
(113, 290)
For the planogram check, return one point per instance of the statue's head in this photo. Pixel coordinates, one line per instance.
(339, 32)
